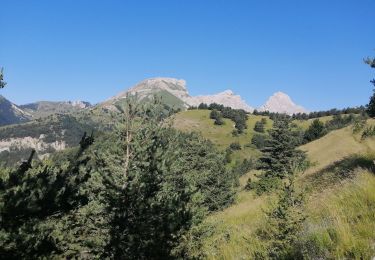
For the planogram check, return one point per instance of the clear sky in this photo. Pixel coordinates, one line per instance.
(90, 50)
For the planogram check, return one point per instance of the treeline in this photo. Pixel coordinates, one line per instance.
(316, 130)
(238, 116)
(317, 114)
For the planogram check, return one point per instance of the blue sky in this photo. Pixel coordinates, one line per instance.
(90, 50)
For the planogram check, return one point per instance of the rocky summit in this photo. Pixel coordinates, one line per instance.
(226, 98)
(175, 92)
(282, 103)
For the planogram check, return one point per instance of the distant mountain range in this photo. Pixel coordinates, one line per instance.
(13, 114)
(172, 91)
(46, 108)
(48, 126)
(175, 93)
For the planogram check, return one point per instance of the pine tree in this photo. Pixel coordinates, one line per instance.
(371, 104)
(46, 211)
(2, 82)
(315, 131)
(280, 156)
(217, 116)
(259, 127)
(284, 224)
(158, 193)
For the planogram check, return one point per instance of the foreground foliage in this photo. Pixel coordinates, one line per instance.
(130, 194)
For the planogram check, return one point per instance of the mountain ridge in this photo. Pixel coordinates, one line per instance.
(10, 113)
(177, 87)
(279, 102)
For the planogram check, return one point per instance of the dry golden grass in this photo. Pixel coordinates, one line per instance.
(233, 235)
(337, 145)
(341, 218)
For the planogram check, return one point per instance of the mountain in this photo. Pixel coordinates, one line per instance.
(226, 98)
(172, 91)
(282, 103)
(175, 93)
(46, 108)
(51, 133)
(11, 113)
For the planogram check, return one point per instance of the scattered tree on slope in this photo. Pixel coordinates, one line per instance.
(280, 157)
(2, 82)
(371, 104)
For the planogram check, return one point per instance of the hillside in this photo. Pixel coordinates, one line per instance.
(336, 146)
(11, 113)
(199, 121)
(50, 134)
(338, 190)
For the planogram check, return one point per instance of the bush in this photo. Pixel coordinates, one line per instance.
(315, 131)
(244, 167)
(235, 146)
(259, 141)
(216, 115)
(263, 185)
(368, 132)
(358, 125)
(259, 127)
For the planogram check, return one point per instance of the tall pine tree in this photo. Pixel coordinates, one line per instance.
(2, 82)
(280, 156)
(284, 224)
(371, 104)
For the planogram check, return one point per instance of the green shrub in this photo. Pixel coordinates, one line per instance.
(259, 141)
(368, 132)
(235, 146)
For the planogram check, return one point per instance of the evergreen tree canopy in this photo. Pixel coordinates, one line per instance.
(132, 194)
(280, 156)
(315, 131)
(371, 104)
(284, 224)
(259, 126)
(2, 82)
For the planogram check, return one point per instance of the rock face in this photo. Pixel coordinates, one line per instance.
(11, 113)
(226, 98)
(147, 87)
(176, 93)
(80, 104)
(29, 142)
(282, 103)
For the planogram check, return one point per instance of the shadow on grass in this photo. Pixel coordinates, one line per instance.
(339, 171)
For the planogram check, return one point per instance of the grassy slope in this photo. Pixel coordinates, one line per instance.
(341, 215)
(335, 146)
(199, 121)
(304, 124)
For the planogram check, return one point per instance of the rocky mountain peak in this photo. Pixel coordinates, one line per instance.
(178, 89)
(226, 98)
(280, 102)
(79, 104)
(147, 87)
(227, 92)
